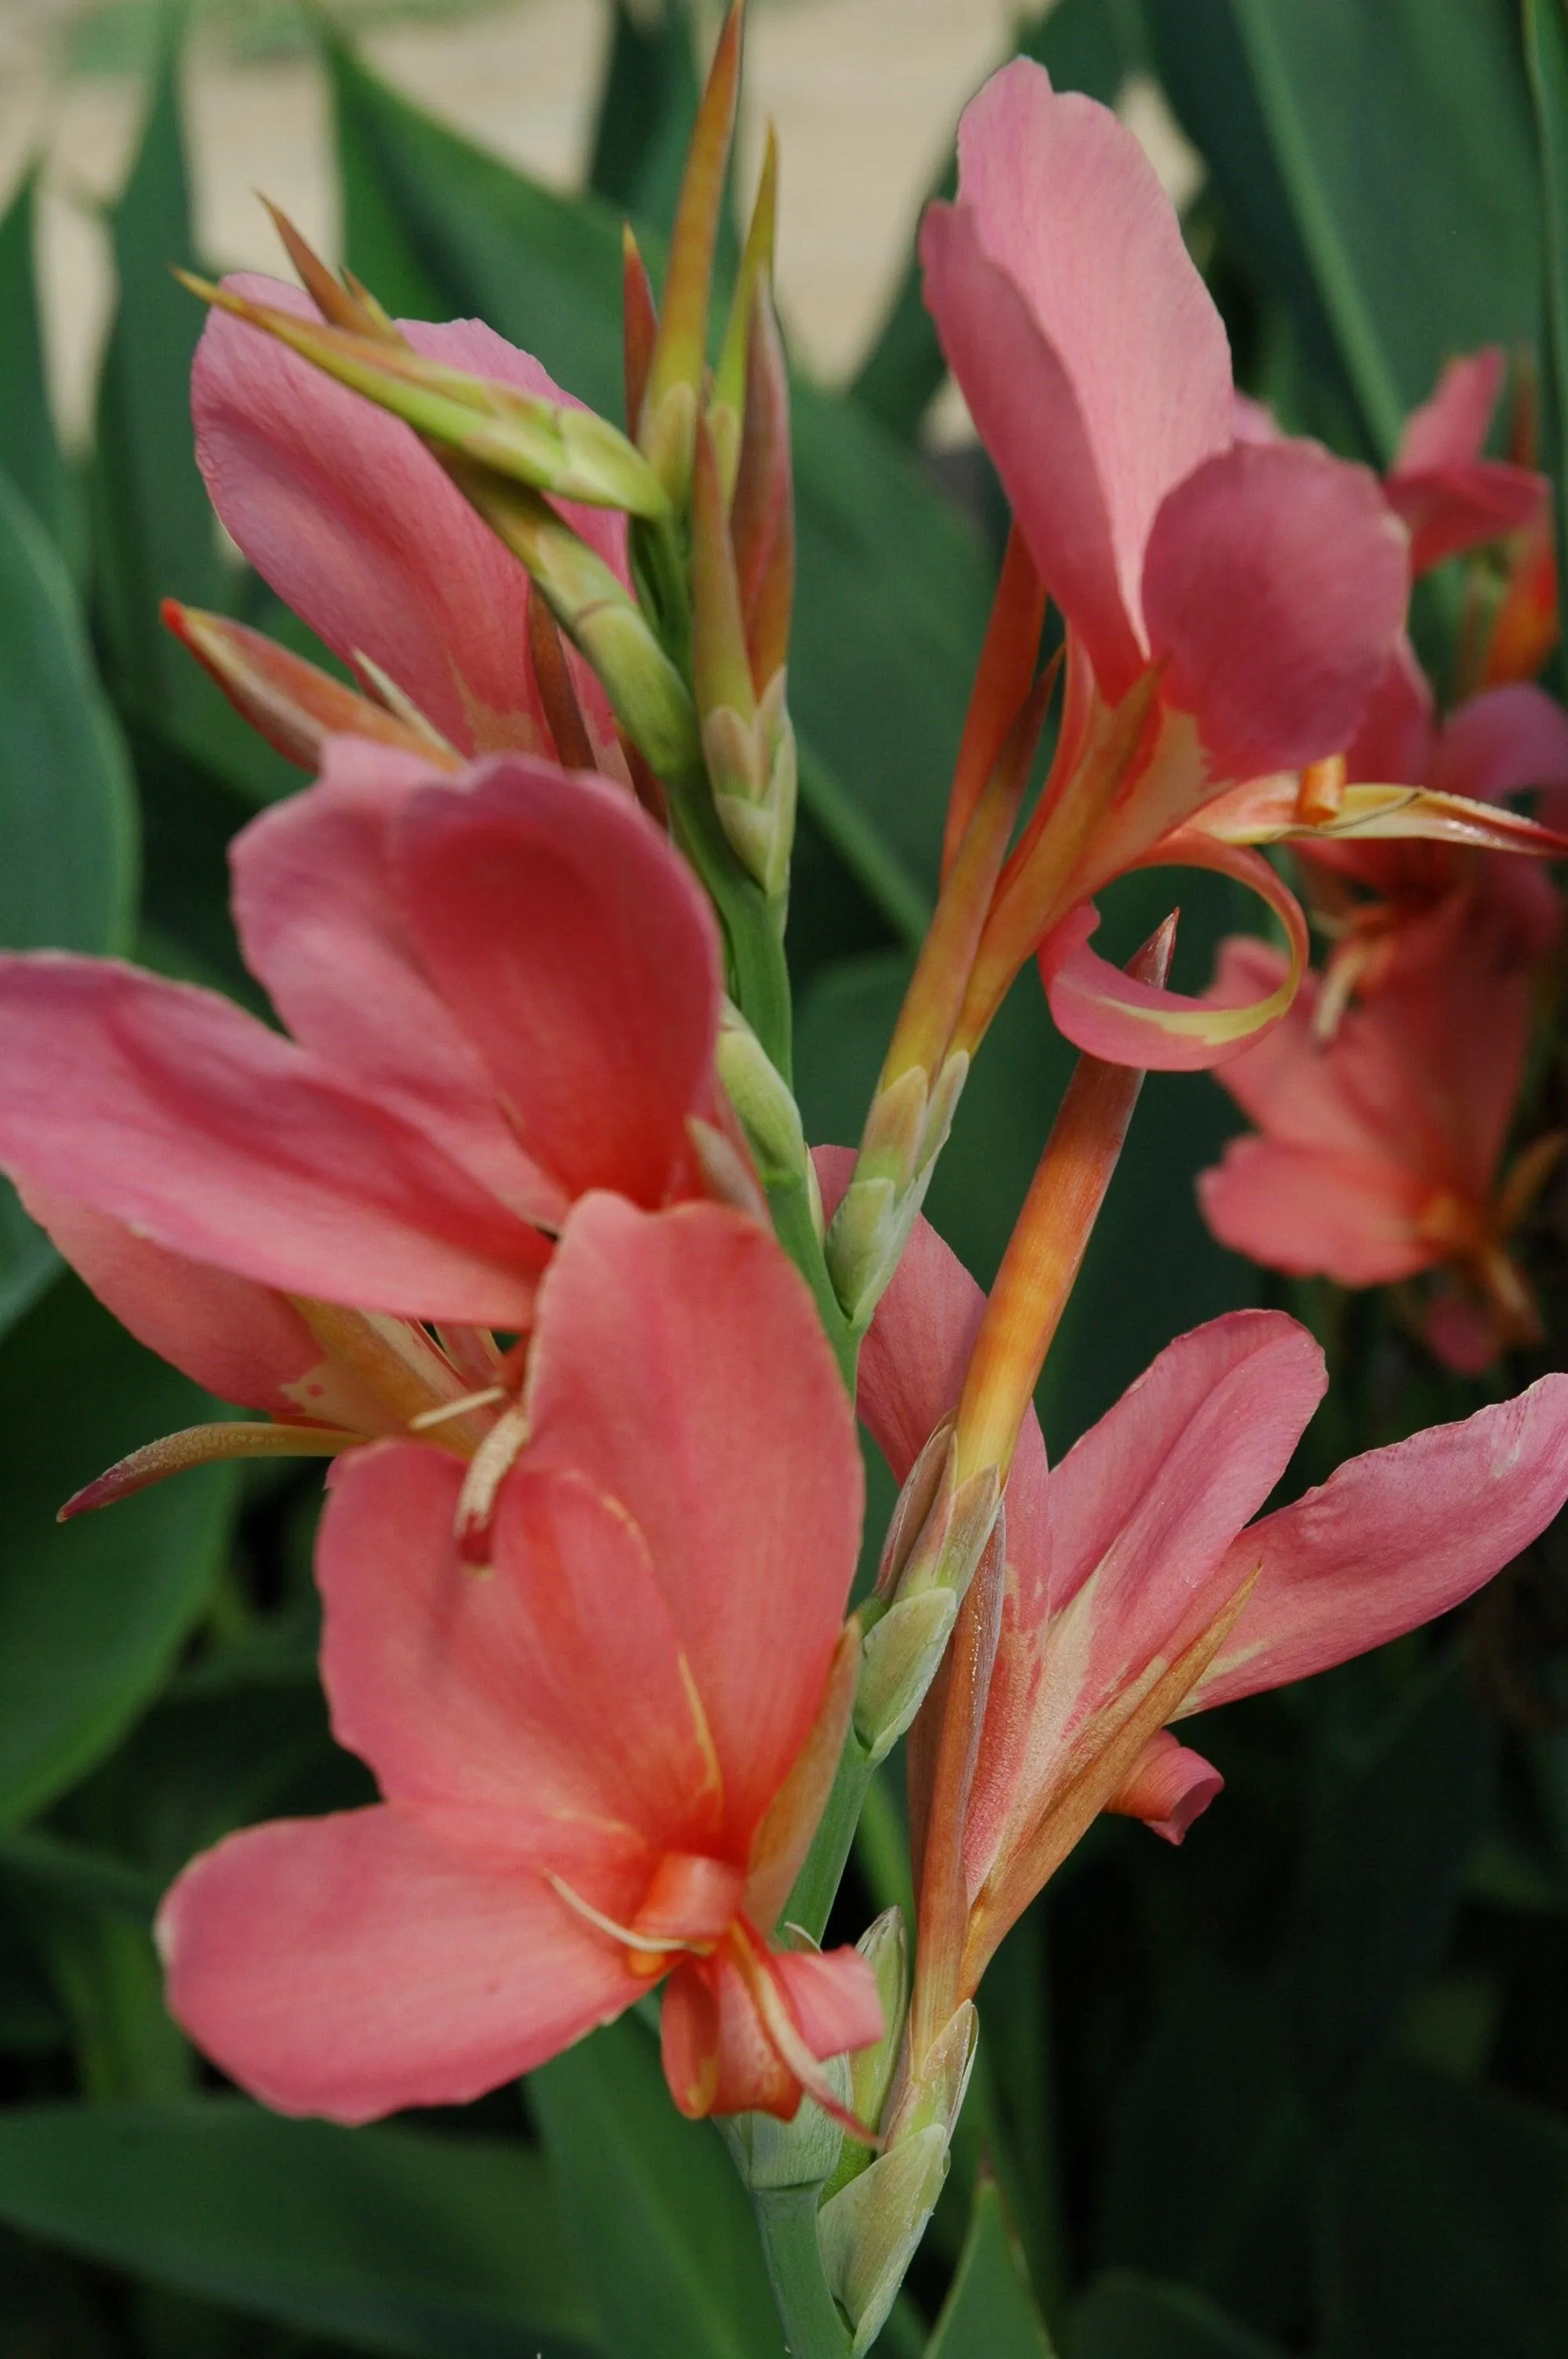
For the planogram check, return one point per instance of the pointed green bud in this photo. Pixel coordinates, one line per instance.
(869, 2229)
(901, 1656)
(804, 2152)
(906, 1131)
(762, 1098)
(667, 426)
(755, 777)
(885, 1947)
(753, 283)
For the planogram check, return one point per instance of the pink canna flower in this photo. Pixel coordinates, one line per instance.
(1138, 1591)
(503, 991)
(1230, 604)
(603, 1758)
(1377, 1152)
(343, 511)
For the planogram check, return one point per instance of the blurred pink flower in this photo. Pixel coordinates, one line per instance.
(603, 1758)
(1449, 495)
(1376, 1152)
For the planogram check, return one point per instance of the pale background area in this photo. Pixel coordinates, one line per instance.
(864, 93)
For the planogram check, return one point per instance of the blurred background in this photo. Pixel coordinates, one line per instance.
(1299, 2087)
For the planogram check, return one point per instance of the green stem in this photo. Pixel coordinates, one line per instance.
(813, 2324)
(819, 1881)
(753, 922)
(790, 1204)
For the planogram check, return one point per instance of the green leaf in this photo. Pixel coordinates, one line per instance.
(1087, 44)
(647, 108)
(67, 808)
(1546, 51)
(1454, 2202)
(154, 533)
(990, 2313)
(1128, 2317)
(29, 450)
(894, 585)
(91, 1616)
(392, 2240)
(660, 2224)
(1397, 1821)
(1375, 157)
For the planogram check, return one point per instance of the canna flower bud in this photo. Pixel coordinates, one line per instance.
(938, 1534)
(603, 622)
(552, 446)
(885, 1945)
(869, 2229)
(775, 2154)
(761, 1099)
(748, 746)
(905, 1131)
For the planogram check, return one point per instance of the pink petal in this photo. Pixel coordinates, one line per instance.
(1085, 343)
(1111, 1015)
(832, 1994)
(1505, 739)
(244, 1342)
(539, 1712)
(678, 1365)
(166, 1108)
(356, 527)
(579, 954)
(1453, 422)
(1317, 1213)
(1274, 591)
(1447, 510)
(1393, 746)
(1390, 1540)
(1288, 1082)
(322, 924)
(1170, 1787)
(1461, 1331)
(352, 1965)
(1138, 1516)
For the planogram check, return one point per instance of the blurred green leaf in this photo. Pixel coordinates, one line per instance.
(68, 816)
(1546, 49)
(29, 449)
(647, 106)
(1125, 2316)
(1087, 44)
(659, 2223)
(1208, 2161)
(893, 584)
(154, 532)
(1455, 2203)
(74, 1872)
(1397, 1818)
(91, 1616)
(390, 2239)
(1376, 155)
(990, 2312)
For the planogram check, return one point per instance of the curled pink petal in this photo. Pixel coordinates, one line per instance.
(1447, 510)
(1274, 595)
(1170, 1787)
(352, 1965)
(1500, 742)
(1391, 1540)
